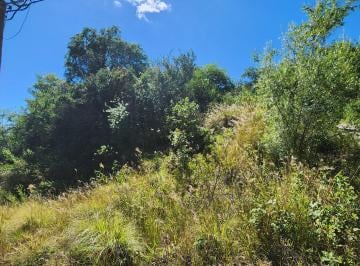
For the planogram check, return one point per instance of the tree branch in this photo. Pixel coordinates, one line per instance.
(8, 10)
(15, 6)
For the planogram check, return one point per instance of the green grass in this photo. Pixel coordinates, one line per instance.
(233, 209)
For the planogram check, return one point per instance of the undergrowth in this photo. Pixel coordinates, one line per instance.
(231, 206)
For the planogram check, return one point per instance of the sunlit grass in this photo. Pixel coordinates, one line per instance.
(234, 211)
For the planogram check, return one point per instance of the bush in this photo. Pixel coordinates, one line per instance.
(294, 226)
(181, 154)
(186, 117)
(280, 217)
(336, 220)
(17, 174)
(187, 136)
(7, 197)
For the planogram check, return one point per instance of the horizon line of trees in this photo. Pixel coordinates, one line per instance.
(113, 105)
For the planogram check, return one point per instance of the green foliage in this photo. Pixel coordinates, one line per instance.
(34, 132)
(323, 19)
(235, 209)
(90, 51)
(116, 114)
(65, 124)
(182, 153)
(185, 116)
(5, 154)
(208, 85)
(337, 222)
(352, 115)
(187, 137)
(301, 227)
(183, 166)
(312, 84)
(7, 197)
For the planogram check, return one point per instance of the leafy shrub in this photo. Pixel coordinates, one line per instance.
(293, 227)
(336, 221)
(6, 197)
(181, 154)
(185, 116)
(16, 176)
(187, 137)
(116, 114)
(280, 218)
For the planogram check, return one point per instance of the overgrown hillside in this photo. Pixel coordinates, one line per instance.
(229, 210)
(130, 163)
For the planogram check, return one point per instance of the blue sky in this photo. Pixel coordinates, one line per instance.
(224, 32)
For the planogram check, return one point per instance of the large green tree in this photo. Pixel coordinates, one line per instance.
(90, 51)
(309, 88)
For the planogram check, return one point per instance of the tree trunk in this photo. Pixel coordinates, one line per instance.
(2, 25)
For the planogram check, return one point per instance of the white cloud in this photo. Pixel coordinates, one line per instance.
(117, 3)
(144, 7)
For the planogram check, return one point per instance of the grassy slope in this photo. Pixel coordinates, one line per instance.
(230, 210)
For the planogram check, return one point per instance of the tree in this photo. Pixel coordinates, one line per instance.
(8, 10)
(4, 136)
(308, 90)
(157, 89)
(90, 51)
(208, 85)
(34, 130)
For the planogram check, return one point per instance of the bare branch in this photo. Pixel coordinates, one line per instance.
(15, 6)
(8, 10)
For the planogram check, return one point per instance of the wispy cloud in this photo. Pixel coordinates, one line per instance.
(144, 7)
(117, 3)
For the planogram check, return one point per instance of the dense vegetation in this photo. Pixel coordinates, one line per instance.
(126, 162)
